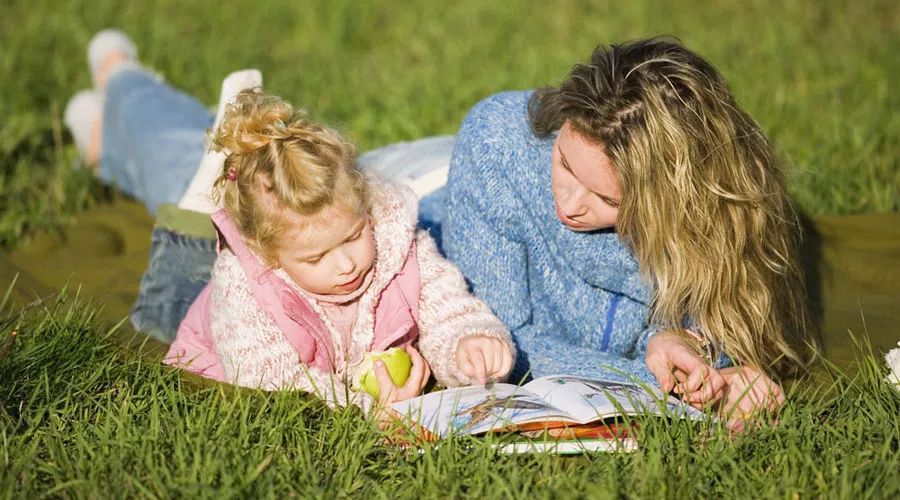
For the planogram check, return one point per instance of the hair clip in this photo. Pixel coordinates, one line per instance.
(231, 175)
(279, 126)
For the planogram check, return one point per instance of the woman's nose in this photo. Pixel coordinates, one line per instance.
(572, 201)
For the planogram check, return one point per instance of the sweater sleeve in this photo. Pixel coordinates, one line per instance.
(480, 232)
(544, 355)
(448, 313)
(252, 348)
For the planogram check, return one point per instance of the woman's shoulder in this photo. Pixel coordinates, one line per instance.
(498, 161)
(499, 117)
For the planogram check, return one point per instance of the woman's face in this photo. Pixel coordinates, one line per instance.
(585, 187)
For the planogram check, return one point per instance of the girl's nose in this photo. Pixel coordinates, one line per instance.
(345, 263)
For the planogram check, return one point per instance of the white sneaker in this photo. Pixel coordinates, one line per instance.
(104, 43)
(198, 196)
(81, 114)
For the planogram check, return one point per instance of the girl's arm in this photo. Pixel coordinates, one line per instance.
(252, 348)
(448, 313)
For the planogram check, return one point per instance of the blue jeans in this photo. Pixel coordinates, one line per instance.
(153, 141)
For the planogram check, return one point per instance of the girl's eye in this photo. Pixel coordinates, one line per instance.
(313, 261)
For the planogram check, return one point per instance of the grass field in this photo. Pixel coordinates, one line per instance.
(76, 420)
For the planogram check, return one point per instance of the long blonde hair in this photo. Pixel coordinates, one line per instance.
(704, 204)
(278, 159)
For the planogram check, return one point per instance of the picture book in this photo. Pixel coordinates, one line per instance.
(551, 413)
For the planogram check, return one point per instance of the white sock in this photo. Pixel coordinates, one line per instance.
(198, 196)
(106, 42)
(82, 112)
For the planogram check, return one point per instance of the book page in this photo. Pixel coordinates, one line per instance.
(588, 400)
(477, 409)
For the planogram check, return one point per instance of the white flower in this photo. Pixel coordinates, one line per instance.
(893, 362)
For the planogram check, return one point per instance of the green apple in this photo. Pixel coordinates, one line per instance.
(397, 362)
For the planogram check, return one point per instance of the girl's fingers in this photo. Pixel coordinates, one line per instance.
(425, 379)
(479, 363)
(507, 361)
(466, 366)
(496, 359)
(477, 372)
(385, 384)
(417, 372)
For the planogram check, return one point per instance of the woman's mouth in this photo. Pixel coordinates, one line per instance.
(566, 220)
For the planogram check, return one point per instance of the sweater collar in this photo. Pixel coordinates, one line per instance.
(598, 258)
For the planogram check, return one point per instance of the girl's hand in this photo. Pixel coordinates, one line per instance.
(749, 391)
(673, 360)
(418, 377)
(483, 358)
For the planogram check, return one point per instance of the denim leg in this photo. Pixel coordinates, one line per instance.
(422, 165)
(153, 137)
(180, 266)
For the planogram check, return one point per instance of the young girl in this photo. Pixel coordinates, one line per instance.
(318, 263)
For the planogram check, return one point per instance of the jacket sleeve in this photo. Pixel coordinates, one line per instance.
(449, 313)
(252, 348)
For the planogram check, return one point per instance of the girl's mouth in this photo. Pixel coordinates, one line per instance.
(354, 283)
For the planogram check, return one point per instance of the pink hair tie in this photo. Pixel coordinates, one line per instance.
(232, 175)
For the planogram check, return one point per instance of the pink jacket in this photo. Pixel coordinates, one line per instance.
(396, 314)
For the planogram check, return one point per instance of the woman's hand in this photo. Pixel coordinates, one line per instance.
(418, 377)
(483, 358)
(674, 361)
(749, 391)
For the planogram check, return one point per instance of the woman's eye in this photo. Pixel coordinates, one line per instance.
(607, 201)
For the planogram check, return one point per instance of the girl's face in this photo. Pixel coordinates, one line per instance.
(586, 190)
(331, 254)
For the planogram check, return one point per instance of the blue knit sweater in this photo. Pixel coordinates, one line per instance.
(573, 301)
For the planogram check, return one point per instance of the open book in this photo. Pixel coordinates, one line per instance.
(551, 408)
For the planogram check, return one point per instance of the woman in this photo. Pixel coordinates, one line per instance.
(632, 221)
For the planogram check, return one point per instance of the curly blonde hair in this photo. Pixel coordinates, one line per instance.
(277, 159)
(704, 203)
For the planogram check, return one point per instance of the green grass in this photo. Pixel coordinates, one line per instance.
(76, 419)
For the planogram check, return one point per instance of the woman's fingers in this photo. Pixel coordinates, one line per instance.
(711, 388)
(662, 370)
